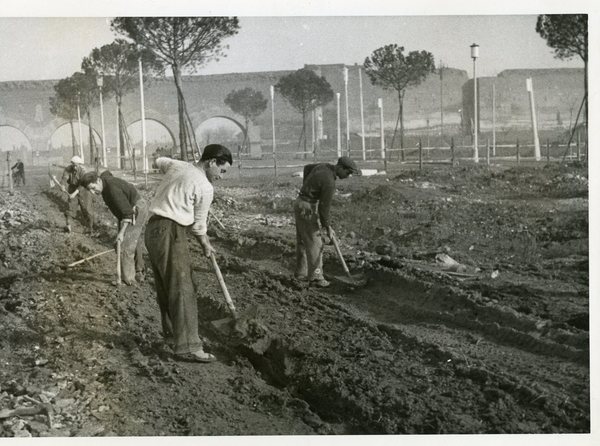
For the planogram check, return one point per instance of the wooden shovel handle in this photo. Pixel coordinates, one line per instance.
(222, 283)
(90, 257)
(340, 256)
(118, 262)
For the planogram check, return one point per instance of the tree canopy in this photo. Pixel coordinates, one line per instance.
(567, 34)
(389, 68)
(246, 102)
(305, 91)
(182, 43)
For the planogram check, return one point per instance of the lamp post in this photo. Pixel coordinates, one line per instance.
(79, 124)
(474, 56)
(100, 83)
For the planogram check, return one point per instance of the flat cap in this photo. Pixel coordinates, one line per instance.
(349, 164)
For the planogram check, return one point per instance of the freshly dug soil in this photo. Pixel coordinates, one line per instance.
(474, 319)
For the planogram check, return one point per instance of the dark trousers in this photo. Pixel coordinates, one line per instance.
(167, 246)
(132, 248)
(85, 202)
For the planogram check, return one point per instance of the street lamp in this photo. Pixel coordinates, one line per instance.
(100, 83)
(143, 120)
(474, 56)
(347, 111)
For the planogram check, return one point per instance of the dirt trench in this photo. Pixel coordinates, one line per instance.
(414, 351)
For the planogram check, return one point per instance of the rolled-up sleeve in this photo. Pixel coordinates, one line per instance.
(203, 196)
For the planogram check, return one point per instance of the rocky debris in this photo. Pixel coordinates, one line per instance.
(15, 211)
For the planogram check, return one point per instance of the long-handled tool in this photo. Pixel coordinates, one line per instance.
(243, 325)
(118, 262)
(349, 279)
(90, 258)
(223, 286)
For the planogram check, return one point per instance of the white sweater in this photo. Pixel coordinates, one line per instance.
(184, 195)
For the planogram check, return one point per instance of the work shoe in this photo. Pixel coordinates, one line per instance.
(319, 283)
(197, 356)
(300, 276)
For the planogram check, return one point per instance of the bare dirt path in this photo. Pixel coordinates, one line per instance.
(420, 349)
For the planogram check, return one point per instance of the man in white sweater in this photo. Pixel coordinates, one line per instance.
(182, 200)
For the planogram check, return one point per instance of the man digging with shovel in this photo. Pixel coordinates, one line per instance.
(311, 208)
(125, 203)
(78, 197)
(182, 200)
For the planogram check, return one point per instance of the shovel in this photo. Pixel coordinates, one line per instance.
(348, 279)
(238, 323)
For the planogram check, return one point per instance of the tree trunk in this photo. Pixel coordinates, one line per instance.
(246, 143)
(73, 140)
(121, 137)
(585, 68)
(401, 99)
(93, 157)
(304, 131)
(182, 132)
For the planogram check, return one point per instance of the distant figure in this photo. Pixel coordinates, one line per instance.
(18, 173)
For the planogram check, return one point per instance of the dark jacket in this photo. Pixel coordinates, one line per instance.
(119, 195)
(318, 186)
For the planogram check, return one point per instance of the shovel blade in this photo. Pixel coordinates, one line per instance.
(353, 280)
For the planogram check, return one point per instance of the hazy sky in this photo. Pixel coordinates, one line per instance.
(52, 48)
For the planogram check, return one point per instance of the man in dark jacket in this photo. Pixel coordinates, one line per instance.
(18, 172)
(311, 208)
(125, 203)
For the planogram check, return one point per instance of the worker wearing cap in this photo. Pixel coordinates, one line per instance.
(311, 208)
(125, 203)
(182, 201)
(78, 197)
(18, 172)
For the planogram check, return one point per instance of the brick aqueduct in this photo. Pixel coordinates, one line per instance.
(24, 105)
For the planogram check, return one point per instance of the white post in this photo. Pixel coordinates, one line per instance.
(536, 140)
(104, 164)
(118, 144)
(80, 132)
(347, 112)
(339, 130)
(362, 116)
(474, 56)
(494, 119)
(381, 133)
(312, 117)
(273, 125)
(144, 160)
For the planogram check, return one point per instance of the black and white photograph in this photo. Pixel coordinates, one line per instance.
(298, 224)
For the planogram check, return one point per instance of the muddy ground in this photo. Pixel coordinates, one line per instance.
(474, 318)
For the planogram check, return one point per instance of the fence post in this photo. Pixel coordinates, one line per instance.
(548, 151)
(452, 150)
(420, 155)
(518, 152)
(487, 150)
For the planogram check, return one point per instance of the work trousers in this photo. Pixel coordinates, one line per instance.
(169, 255)
(132, 248)
(84, 201)
(309, 245)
